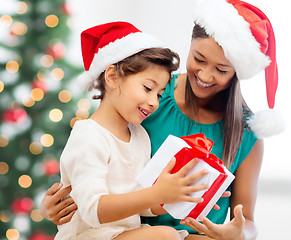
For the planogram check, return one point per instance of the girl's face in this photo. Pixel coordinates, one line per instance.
(139, 94)
(208, 69)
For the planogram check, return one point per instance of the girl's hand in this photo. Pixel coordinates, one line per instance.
(172, 188)
(230, 231)
(56, 209)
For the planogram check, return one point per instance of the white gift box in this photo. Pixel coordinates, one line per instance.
(217, 179)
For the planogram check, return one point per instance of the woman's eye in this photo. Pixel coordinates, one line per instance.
(147, 88)
(222, 72)
(198, 60)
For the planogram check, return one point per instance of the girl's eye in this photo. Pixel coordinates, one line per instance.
(147, 88)
(198, 60)
(222, 72)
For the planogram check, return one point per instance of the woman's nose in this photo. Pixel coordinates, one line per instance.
(205, 75)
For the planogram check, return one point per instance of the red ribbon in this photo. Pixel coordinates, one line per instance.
(200, 147)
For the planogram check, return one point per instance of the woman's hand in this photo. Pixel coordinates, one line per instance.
(230, 231)
(56, 209)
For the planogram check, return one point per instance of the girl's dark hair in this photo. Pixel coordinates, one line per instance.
(139, 62)
(233, 104)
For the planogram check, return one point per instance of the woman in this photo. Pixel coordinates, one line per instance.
(231, 41)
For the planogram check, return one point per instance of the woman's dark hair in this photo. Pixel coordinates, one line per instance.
(139, 62)
(233, 105)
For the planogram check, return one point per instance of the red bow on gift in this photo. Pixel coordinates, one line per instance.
(200, 148)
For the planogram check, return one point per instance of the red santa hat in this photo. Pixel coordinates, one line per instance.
(248, 41)
(108, 44)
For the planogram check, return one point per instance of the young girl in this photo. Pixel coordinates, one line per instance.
(105, 153)
(231, 41)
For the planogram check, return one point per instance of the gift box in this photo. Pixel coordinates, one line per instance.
(184, 149)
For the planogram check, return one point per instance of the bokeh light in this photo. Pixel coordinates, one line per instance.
(21, 7)
(52, 21)
(84, 104)
(35, 148)
(3, 141)
(6, 20)
(57, 74)
(36, 215)
(1, 86)
(12, 234)
(73, 121)
(56, 115)
(41, 73)
(47, 61)
(28, 101)
(83, 114)
(37, 94)
(25, 181)
(19, 28)
(12, 66)
(47, 140)
(65, 96)
(4, 168)
(4, 217)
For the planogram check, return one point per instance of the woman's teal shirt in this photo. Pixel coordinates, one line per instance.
(168, 119)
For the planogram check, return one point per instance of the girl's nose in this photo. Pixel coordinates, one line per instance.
(153, 101)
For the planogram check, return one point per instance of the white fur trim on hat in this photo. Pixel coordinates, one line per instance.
(267, 123)
(121, 49)
(222, 22)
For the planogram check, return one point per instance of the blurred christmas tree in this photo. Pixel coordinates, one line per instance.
(38, 106)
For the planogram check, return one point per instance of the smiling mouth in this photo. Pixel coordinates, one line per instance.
(144, 113)
(203, 84)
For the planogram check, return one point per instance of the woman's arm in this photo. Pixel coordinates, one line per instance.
(245, 188)
(55, 208)
(243, 200)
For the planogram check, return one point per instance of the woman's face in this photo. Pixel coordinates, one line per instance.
(208, 69)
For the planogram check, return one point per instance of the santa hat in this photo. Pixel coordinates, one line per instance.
(248, 41)
(108, 44)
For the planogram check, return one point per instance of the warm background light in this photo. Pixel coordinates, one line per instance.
(84, 104)
(47, 61)
(12, 66)
(56, 115)
(12, 234)
(4, 168)
(35, 148)
(3, 141)
(47, 140)
(4, 217)
(19, 28)
(65, 96)
(25, 181)
(37, 94)
(1, 86)
(21, 7)
(28, 101)
(36, 216)
(57, 74)
(6, 20)
(52, 21)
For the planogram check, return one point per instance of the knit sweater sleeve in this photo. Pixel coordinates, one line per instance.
(84, 163)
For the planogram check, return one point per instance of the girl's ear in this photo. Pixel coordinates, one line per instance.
(111, 77)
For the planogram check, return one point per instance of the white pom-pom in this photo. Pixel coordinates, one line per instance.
(85, 80)
(267, 123)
